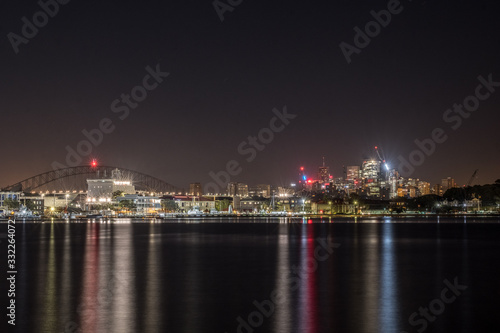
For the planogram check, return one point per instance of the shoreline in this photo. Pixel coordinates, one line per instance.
(257, 216)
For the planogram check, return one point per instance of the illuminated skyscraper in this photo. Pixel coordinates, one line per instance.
(352, 172)
(370, 171)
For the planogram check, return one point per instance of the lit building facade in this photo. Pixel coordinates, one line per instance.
(186, 203)
(370, 171)
(100, 190)
(352, 172)
(15, 196)
(370, 174)
(143, 204)
(424, 188)
(237, 189)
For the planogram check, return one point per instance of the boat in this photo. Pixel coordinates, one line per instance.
(195, 211)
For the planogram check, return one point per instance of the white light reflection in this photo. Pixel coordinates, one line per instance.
(67, 282)
(308, 302)
(123, 317)
(370, 279)
(106, 276)
(89, 306)
(153, 283)
(388, 299)
(283, 317)
(49, 301)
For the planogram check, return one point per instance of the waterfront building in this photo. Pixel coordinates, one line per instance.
(186, 203)
(291, 204)
(332, 207)
(103, 189)
(253, 204)
(33, 203)
(37, 206)
(15, 196)
(57, 200)
(144, 204)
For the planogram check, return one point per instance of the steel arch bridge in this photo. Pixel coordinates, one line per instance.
(140, 180)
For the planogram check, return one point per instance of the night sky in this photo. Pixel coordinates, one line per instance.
(227, 77)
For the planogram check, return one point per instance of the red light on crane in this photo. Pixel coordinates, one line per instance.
(94, 163)
(301, 168)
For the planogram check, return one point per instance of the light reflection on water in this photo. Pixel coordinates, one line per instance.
(145, 276)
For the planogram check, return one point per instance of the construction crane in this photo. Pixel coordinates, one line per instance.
(474, 176)
(380, 155)
(469, 183)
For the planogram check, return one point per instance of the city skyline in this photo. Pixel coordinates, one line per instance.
(313, 174)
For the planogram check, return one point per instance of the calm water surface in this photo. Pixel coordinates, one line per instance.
(257, 276)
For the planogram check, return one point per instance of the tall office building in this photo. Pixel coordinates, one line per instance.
(195, 189)
(324, 173)
(352, 172)
(370, 173)
(392, 183)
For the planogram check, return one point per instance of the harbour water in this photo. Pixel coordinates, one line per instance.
(257, 275)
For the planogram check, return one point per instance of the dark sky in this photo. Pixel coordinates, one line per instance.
(226, 77)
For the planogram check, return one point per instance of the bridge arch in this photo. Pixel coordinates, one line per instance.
(140, 180)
